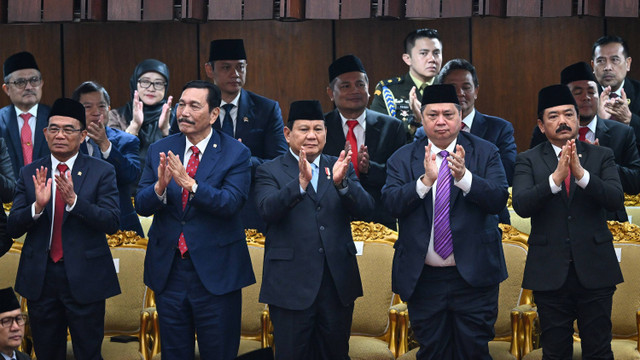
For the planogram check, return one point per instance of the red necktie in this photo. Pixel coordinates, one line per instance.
(465, 127)
(351, 138)
(567, 180)
(582, 133)
(25, 139)
(192, 167)
(56, 238)
(613, 95)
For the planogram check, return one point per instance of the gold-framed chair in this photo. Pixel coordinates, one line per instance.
(9, 268)
(128, 316)
(625, 314)
(375, 315)
(513, 301)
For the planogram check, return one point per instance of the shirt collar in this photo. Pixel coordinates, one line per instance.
(421, 84)
(619, 91)
(69, 162)
(234, 101)
(468, 120)
(450, 148)
(5, 357)
(33, 111)
(316, 161)
(202, 145)
(592, 124)
(362, 119)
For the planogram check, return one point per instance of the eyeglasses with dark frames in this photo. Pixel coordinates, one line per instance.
(54, 130)
(19, 319)
(158, 85)
(35, 81)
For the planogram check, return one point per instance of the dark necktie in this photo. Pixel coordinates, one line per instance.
(227, 123)
(25, 139)
(442, 238)
(351, 137)
(192, 167)
(56, 238)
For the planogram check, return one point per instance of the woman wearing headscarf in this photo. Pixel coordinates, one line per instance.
(148, 115)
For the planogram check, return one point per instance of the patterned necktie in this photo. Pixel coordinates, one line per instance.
(192, 167)
(56, 238)
(582, 133)
(25, 139)
(442, 238)
(227, 123)
(351, 138)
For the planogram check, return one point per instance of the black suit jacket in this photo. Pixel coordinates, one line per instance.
(477, 243)
(7, 187)
(87, 258)
(11, 134)
(621, 140)
(383, 136)
(572, 228)
(305, 231)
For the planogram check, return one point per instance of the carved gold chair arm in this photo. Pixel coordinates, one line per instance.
(149, 333)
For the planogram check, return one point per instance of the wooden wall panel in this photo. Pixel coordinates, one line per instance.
(621, 8)
(225, 10)
(124, 10)
(557, 8)
(355, 9)
(118, 47)
(258, 9)
(292, 9)
(523, 56)
(290, 64)
(391, 8)
(629, 30)
(492, 7)
(379, 44)
(43, 41)
(529, 8)
(457, 8)
(194, 10)
(423, 9)
(322, 9)
(57, 10)
(157, 10)
(591, 7)
(93, 10)
(23, 11)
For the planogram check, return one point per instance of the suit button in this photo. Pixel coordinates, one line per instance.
(569, 218)
(318, 208)
(321, 227)
(567, 240)
(183, 222)
(321, 251)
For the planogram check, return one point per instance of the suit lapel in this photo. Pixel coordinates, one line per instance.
(417, 170)
(177, 147)
(244, 116)
(335, 133)
(372, 133)
(14, 135)
(39, 140)
(602, 132)
(479, 126)
(468, 160)
(325, 176)
(78, 174)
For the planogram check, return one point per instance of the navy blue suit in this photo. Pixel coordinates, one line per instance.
(620, 139)
(218, 256)
(125, 159)
(383, 136)
(499, 132)
(309, 252)
(87, 267)
(259, 124)
(477, 246)
(11, 134)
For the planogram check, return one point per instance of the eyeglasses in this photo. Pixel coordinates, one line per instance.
(22, 83)
(20, 320)
(54, 130)
(158, 85)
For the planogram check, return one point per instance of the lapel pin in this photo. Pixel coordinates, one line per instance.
(79, 173)
(326, 170)
(215, 146)
(579, 155)
(245, 119)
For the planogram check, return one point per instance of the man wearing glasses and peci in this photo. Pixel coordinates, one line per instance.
(22, 122)
(12, 322)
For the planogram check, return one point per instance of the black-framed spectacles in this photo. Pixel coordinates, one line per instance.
(158, 85)
(54, 130)
(19, 319)
(35, 81)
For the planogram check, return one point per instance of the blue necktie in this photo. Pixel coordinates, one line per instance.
(227, 123)
(314, 176)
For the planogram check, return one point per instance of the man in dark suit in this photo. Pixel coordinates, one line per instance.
(310, 278)
(461, 74)
(116, 147)
(445, 190)
(194, 184)
(619, 94)
(7, 188)
(252, 119)
(372, 137)
(12, 322)
(66, 203)
(23, 84)
(604, 132)
(565, 186)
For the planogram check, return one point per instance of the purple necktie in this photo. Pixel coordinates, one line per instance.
(442, 239)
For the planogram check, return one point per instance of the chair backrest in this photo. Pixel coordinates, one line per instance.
(122, 314)
(251, 326)
(371, 311)
(9, 266)
(511, 292)
(626, 299)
